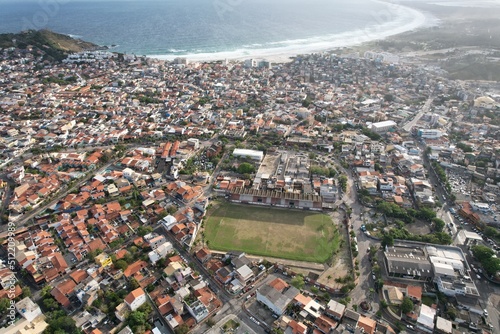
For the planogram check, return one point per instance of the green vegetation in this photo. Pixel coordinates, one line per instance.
(343, 182)
(439, 224)
(246, 168)
(370, 134)
(231, 325)
(464, 147)
(138, 320)
(439, 238)
(54, 46)
(324, 171)
(484, 255)
(442, 175)
(4, 304)
(60, 323)
(406, 305)
(298, 282)
(280, 233)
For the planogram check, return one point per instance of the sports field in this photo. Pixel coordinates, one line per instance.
(279, 233)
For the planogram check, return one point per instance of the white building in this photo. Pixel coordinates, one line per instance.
(154, 240)
(482, 207)
(33, 321)
(276, 295)
(160, 252)
(28, 309)
(135, 299)
(430, 133)
(425, 321)
(252, 154)
(381, 127)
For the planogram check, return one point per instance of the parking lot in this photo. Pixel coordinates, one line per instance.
(459, 183)
(261, 312)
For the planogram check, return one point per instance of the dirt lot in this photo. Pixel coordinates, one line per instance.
(419, 227)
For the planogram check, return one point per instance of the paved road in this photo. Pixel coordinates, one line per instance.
(425, 109)
(39, 210)
(365, 281)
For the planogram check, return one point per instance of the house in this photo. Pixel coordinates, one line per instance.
(160, 252)
(122, 311)
(425, 321)
(276, 295)
(135, 299)
(28, 309)
(367, 324)
(103, 260)
(63, 291)
(443, 326)
(414, 292)
(324, 324)
(32, 321)
(394, 294)
(203, 255)
(295, 327)
(154, 241)
(224, 275)
(245, 275)
(350, 319)
(335, 310)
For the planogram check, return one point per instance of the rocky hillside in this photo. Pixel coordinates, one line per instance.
(55, 46)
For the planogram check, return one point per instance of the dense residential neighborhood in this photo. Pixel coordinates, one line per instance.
(113, 167)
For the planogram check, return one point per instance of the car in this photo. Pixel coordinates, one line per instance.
(485, 312)
(409, 326)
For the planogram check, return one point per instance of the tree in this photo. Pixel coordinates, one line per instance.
(406, 305)
(143, 230)
(387, 240)
(46, 291)
(137, 321)
(490, 232)
(246, 168)
(4, 305)
(439, 224)
(26, 292)
(388, 97)
(343, 182)
(121, 264)
(171, 209)
(182, 329)
(426, 214)
(451, 313)
(50, 304)
(210, 322)
(491, 265)
(61, 323)
(298, 282)
(481, 252)
(134, 284)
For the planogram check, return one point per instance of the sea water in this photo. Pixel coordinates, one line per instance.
(214, 29)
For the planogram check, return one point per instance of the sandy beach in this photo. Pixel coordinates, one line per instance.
(434, 25)
(395, 19)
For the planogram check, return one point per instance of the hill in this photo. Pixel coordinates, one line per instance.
(55, 46)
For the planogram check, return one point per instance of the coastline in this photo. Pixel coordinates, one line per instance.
(387, 23)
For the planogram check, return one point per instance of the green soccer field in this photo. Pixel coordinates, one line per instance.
(279, 233)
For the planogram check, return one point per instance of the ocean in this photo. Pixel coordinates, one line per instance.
(214, 29)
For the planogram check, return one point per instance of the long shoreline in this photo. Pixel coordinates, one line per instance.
(385, 24)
